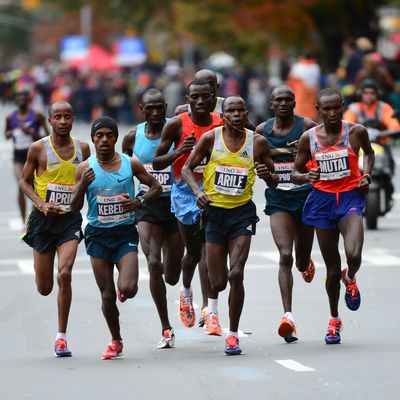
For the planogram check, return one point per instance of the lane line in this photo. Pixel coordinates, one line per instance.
(294, 365)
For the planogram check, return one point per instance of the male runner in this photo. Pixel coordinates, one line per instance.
(158, 228)
(234, 156)
(48, 179)
(285, 202)
(23, 127)
(183, 131)
(111, 237)
(337, 200)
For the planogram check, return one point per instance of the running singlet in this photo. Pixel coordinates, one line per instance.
(57, 183)
(188, 126)
(338, 163)
(21, 140)
(282, 155)
(105, 193)
(229, 177)
(145, 150)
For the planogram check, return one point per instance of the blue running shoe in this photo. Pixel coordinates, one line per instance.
(352, 296)
(61, 349)
(232, 347)
(333, 334)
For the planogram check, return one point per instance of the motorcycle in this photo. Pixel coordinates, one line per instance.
(379, 199)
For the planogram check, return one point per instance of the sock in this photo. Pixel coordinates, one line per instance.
(230, 333)
(61, 336)
(186, 292)
(337, 318)
(289, 316)
(213, 306)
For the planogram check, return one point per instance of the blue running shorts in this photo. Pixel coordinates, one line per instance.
(184, 204)
(325, 210)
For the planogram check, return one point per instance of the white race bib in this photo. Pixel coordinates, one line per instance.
(163, 177)
(22, 141)
(230, 180)
(109, 208)
(283, 170)
(333, 164)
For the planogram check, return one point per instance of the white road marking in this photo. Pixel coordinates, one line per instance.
(294, 365)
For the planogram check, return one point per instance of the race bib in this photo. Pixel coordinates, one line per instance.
(60, 193)
(283, 170)
(163, 177)
(333, 164)
(109, 208)
(230, 180)
(22, 141)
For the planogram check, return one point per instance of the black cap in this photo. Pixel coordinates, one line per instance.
(104, 122)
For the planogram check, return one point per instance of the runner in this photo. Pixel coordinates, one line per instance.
(234, 155)
(111, 237)
(183, 131)
(337, 200)
(158, 228)
(48, 179)
(23, 127)
(284, 203)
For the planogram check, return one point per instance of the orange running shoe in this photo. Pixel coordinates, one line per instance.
(186, 310)
(213, 327)
(114, 350)
(203, 317)
(232, 347)
(287, 330)
(61, 348)
(352, 295)
(308, 274)
(333, 334)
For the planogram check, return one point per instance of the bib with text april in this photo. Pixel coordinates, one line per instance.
(60, 193)
(230, 180)
(333, 164)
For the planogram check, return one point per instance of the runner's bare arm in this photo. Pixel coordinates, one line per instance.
(42, 123)
(85, 150)
(300, 175)
(171, 134)
(264, 165)
(128, 142)
(202, 150)
(8, 130)
(260, 129)
(84, 176)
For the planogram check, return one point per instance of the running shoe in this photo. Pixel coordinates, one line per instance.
(333, 334)
(308, 274)
(202, 319)
(168, 339)
(232, 347)
(114, 350)
(287, 330)
(213, 327)
(186, 310)
(61, 348)
(121, 297)
(352, 296)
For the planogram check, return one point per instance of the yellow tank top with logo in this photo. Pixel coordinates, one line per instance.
(229, 177)
(57, 183)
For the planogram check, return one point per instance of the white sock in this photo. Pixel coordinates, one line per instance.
(186, 292)
(337, 318)
(61, 336)
(230, 333)
(213, 306)
(289, 316)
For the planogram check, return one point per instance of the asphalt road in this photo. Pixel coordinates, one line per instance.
(364, 366)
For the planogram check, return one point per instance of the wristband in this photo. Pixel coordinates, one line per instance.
(140, 199)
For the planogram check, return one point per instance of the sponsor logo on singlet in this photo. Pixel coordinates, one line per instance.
(162, 176)
(333, 164)
(109, 208)
(230, 180)
(60, 193)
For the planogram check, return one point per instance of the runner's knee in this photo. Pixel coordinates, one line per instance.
(64, 277)
(285, 258)
(236, 276)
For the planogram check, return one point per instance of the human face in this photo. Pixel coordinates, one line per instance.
(104, 141)
(61, 119)
(369, 96)
(22, 99)
(283, 103)
(200, 99)
(331, 110)
(154, 110)
(235, 113)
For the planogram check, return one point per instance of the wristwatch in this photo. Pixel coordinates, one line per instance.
(141, 200)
